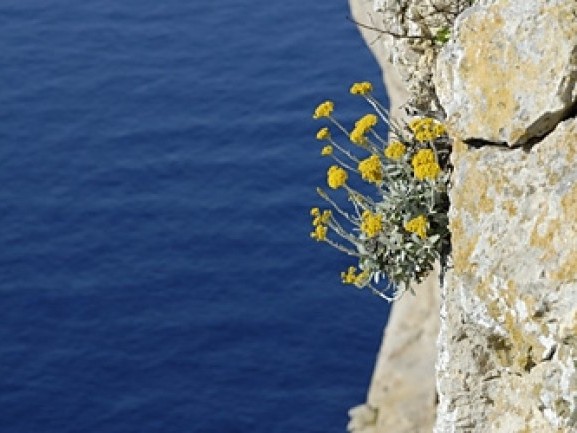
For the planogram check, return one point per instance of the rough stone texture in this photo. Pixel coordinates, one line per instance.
(510, 72)
(409, 31)
(507, 357)
(402, 396)
(508, 343)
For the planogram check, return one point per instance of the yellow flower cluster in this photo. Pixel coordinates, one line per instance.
(425, 165)
(362, 126)
(361, 88)
(320, 221)
(324, 109)
(319, 233)
(357, 137)
(371, 224)
(336, 176)
(351, 276)
(395, 150)
(426, 129)
(323, 134)
(366, 122)
(413, 206)
(371, 169)
(417, 225)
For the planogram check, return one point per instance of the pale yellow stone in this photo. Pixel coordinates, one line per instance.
(508, 340)
(510, 73)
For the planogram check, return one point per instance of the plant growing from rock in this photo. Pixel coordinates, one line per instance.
(413, 32)
(395, 221)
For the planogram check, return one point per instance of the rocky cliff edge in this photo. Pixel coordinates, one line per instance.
(506, 355)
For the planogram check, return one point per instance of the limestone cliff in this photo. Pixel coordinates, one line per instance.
(508, 345)
(506, 357)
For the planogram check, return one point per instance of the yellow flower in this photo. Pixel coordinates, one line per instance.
(424, 156)
(362, 127)
(395, 150)
(439, 129)
(336, 176)
(327, 150)
(361, 88)
(362, 278)
(426, 129)
(366, 122)
(427, 171)
(326, 216)
(349, 276)
(371, 224)
(324, 109)
(357, 136)
(425, 165)
(320, 222)
(371, 169)
(418, 225)
(320, 233)
(323, 134)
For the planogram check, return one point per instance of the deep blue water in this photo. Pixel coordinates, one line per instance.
(157, 166)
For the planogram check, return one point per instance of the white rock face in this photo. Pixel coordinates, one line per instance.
(408, 32)
(402, 394)
(509, 73)
(508, 341)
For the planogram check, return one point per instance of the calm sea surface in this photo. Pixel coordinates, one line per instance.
(157, 166)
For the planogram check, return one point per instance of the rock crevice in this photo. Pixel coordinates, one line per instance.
(507, 81)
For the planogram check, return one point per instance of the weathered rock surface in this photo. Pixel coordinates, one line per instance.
(402, 396)
(509, 74)
(508, 344)
(410, 29)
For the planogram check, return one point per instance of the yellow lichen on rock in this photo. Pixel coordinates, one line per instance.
(501, 66)
(512, 289)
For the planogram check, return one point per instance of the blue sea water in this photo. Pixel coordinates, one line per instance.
(157, 166)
